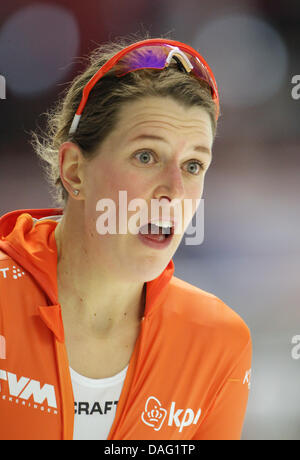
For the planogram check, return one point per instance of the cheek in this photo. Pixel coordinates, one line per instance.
(191, 202)
(106, 182)
(194, 190)
(131, 182)
(113, 178)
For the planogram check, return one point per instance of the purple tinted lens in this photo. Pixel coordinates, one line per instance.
(154, 57)
(147, 57)
(201, 72)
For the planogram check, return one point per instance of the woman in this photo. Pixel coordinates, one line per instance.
(103, 326)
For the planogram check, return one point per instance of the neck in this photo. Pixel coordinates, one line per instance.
(89, 294)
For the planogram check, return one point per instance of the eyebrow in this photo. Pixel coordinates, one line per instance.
(197, 148)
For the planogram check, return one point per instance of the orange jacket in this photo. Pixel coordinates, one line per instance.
(188, 376)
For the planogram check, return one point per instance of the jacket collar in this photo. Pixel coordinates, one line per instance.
(27, 236)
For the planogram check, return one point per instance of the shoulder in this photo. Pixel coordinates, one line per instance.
(202, 310)
(17, 286)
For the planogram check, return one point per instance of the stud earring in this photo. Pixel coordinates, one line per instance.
(76, 192)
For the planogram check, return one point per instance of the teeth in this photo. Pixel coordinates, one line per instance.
(164, 224)
(166, 227)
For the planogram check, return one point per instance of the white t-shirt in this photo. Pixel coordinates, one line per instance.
(95, 404)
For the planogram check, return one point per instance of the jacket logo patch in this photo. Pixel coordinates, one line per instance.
(247, 378)
(154, 415)
(27, 392)
(14, 273)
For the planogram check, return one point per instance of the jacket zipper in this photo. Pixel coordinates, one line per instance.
(67, 397)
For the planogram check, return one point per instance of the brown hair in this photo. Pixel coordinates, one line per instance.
(100, 113)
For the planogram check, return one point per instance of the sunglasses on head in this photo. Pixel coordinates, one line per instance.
(152, 54)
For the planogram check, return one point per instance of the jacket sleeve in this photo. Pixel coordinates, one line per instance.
(225, 417)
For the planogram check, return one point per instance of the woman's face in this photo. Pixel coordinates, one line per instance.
(158, 149)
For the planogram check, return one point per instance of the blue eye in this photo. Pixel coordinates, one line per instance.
(196, 171)
(144, 154)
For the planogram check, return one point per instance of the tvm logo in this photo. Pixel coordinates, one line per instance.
(24, 388)
(155, 415)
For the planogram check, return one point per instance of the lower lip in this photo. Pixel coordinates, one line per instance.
(155, 244)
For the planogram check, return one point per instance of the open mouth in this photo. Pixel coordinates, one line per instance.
(157, 232)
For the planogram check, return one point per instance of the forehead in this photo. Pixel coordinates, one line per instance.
(164, 115)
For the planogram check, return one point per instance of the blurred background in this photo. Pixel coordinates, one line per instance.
(250, 256)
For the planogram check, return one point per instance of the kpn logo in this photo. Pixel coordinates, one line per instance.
(155, 415)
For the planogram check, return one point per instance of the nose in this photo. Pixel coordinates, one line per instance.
(171, 184)
(169, 195)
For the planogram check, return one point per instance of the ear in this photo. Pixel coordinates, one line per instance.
(70, 168)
